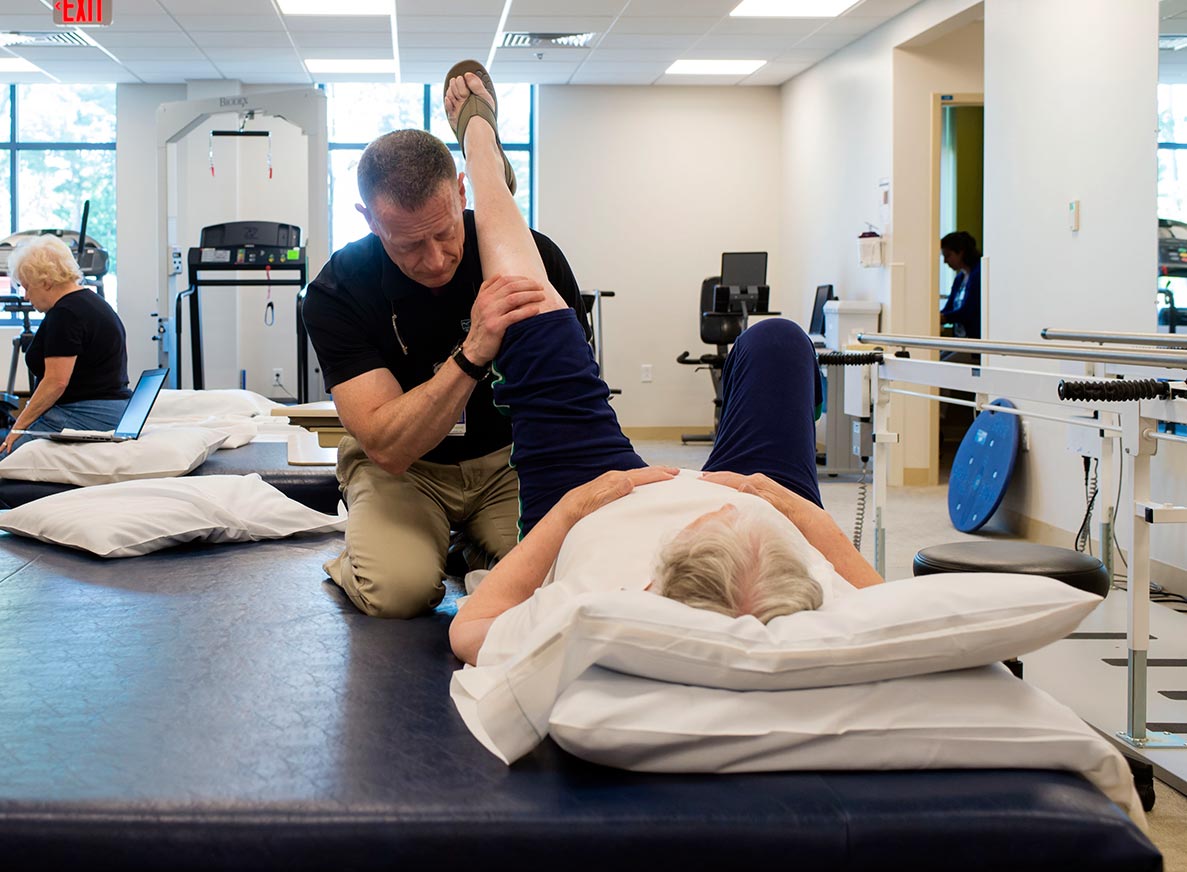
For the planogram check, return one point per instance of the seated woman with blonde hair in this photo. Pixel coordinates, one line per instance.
(79, 354)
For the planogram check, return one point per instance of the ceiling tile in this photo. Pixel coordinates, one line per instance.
(73, 54)
(185, 52)
(664, 26)
(678, 8)
(94, 71)
(557, 23)
(639, 41)
(375, 39)
(853, 27)
(455, 7)
(348, 53)
(176, 71)
(148, 23)
(775, 73)
(327, 24)
(460, 43)
(231, 22)
(219, 8)
(258, 68)
(115, 40)
(549, 8)
(260, 57)
(443, 24)
(699, 80)
(769, 26)
(829, 42)
(258, 39)
(748, 46)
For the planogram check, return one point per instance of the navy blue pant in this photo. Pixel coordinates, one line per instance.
(565, 433)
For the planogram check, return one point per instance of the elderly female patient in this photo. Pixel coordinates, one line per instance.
(739, 537)
(78, 355)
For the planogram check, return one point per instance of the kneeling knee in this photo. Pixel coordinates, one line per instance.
(399, 595)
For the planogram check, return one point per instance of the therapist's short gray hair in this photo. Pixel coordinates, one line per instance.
(739, 565)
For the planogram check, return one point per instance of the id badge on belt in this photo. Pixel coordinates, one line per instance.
(458, 429)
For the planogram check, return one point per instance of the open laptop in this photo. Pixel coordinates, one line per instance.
(824, 293)
(130, 424)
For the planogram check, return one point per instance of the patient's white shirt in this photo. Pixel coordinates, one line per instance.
(616, 548)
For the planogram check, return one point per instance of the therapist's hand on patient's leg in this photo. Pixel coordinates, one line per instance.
(501, 302)
(608, 487)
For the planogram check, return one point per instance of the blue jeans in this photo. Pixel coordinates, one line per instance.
(83, 415)
(564, 432)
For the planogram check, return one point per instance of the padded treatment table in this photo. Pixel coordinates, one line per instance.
(314, 486)
(223, 707)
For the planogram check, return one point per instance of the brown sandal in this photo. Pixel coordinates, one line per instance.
(475, 105)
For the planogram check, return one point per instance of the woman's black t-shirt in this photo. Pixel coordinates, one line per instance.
(82, 325)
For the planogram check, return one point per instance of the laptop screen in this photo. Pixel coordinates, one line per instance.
(141, 403)
(824, 293)
(744, 269)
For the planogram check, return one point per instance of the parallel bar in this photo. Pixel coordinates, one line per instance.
(1173, 359)
(1164, 437)
(1161, 340)
(1019, 413)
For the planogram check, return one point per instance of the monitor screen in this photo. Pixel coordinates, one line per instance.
(744, 269)
(824, 293)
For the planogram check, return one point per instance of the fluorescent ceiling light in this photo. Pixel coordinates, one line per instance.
(350, 65)
(337, 7)
(713, 68)
(18, 65)
(791, 8)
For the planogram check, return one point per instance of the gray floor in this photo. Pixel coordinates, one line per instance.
(917, 517)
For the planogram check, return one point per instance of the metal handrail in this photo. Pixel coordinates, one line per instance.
(1172, 358)
(1161, 340)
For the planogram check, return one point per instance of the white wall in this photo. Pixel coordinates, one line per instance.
(643, 189)
(858, 118)
(1071, 114)
(136, 225)
(234, 335)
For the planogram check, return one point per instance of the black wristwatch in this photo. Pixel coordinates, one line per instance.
(473, 370)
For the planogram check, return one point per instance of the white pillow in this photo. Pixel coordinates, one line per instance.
(137, 517)
(156, 454)
(976, 718)
(187, 405)
(911, 627)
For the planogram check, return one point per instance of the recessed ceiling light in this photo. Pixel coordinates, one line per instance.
(337, 7)
(18, 65)
(350, 65)
(791, 8)
(713, 68)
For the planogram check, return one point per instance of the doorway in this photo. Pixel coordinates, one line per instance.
(958, 161)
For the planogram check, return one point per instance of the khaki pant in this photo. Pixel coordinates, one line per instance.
(397, 531)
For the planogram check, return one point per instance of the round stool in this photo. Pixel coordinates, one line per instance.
(1081, 571)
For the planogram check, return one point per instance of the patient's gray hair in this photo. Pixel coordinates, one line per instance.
(737, 565)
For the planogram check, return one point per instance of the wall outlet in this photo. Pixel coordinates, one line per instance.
(645, 372)
(278, 377)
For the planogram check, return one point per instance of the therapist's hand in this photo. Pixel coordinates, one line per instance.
(608, 487)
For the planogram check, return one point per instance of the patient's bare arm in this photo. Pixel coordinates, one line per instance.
(815, 523)
(517, 576)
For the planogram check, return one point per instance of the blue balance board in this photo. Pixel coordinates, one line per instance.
(982, 468)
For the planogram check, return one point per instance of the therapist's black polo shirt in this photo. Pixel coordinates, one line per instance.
(348, 312)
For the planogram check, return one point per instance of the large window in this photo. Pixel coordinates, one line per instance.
(57, 149)
(360, 112)
(1172, 188)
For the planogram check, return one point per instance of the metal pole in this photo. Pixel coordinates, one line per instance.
(1163, 340)
(1171, 358)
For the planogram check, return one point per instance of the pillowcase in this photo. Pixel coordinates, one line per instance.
(175, 405)
(137, 517)
(915, 626)
(975, 718)
(160, 453)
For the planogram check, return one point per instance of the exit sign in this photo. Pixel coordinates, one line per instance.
(83, 13)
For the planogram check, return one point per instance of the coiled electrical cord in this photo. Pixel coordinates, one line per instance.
(1114, 390)
(849, 358)
(859, 520)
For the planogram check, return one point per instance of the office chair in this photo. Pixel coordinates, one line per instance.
(718, 329)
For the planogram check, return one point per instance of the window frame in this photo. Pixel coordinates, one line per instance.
(13, 145)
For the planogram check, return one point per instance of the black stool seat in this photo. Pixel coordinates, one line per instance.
(1081, 571)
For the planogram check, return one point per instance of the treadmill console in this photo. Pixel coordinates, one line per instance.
(247, 245)
(1172, 247)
